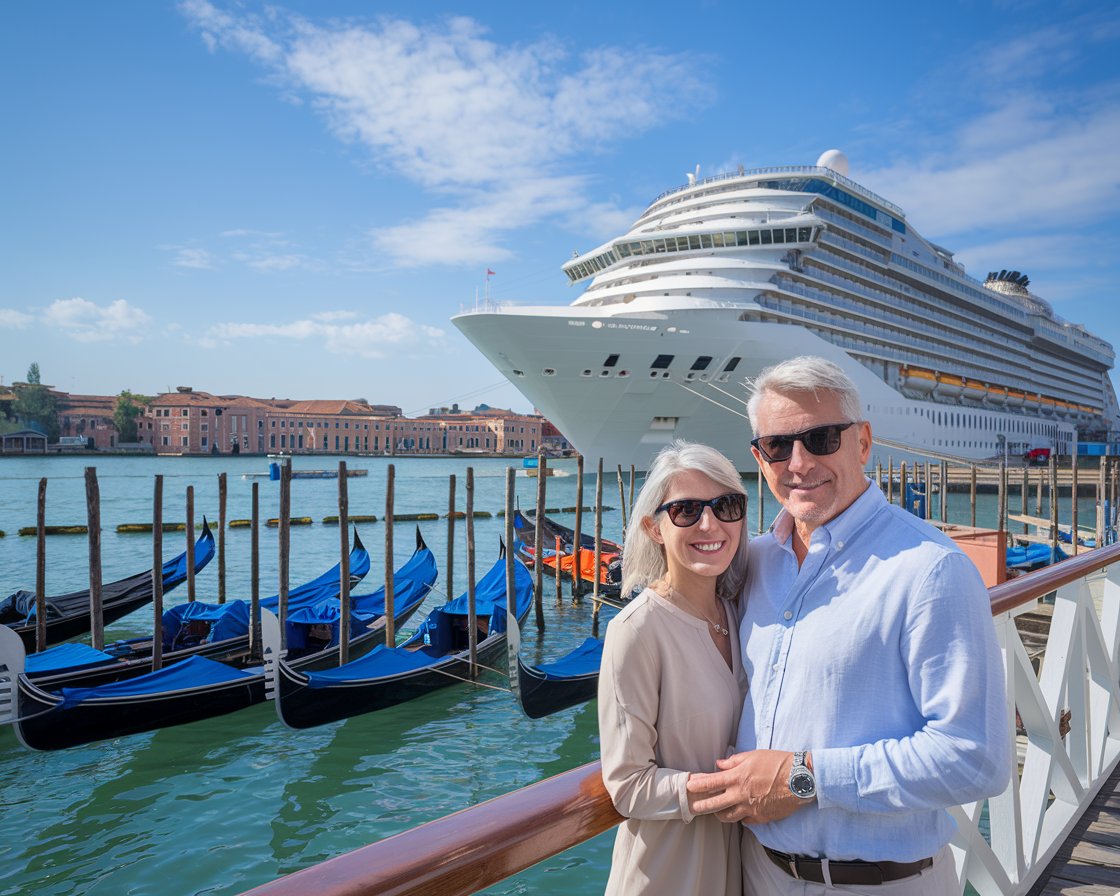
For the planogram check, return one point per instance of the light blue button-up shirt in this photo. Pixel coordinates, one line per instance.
(879, 656)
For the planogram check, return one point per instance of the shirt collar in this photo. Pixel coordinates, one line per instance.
(843, 526)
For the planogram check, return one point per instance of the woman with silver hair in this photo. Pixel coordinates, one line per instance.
(671, 684)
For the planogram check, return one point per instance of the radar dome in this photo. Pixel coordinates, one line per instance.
(835, 160)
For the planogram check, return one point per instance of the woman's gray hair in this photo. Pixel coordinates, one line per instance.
(643, 559)
(807, 373)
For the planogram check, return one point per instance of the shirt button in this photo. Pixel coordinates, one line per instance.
(787, 615)
(839, 545)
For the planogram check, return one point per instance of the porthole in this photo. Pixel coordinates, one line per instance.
(586, 372)
(549, 371)
(519, 373)
(604, 373)
(624, 373)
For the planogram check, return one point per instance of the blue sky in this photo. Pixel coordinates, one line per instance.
(292, 199)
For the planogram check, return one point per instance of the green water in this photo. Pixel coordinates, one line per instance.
(220, 806)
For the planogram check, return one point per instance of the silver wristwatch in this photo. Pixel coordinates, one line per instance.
(802, 784)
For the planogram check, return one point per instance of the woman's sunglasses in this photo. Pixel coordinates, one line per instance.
(820, 440)
(686, 512)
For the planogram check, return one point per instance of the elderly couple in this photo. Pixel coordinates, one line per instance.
(797, 717)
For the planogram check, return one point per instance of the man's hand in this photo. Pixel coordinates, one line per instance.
(752, 787)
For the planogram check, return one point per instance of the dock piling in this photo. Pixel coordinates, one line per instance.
(343, 565)
(255, 649)
(190, 545)
(511, 575)
(390, 500)
(577, 579)
(472, 617)
(41, 568)
(284, 540)
(595, 602)
(449, 577)
(157, 574)
(222, 497)
(93, 517)
(538, 538)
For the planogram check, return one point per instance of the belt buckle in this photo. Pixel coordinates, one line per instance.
(793, 867)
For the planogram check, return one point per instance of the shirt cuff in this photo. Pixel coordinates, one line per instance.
(835, 773)
(681, 783)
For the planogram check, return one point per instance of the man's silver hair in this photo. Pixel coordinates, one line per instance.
(807, 373)
(643, 559)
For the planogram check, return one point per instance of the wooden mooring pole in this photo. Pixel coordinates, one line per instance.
(595, 602)
(390, 608)
(448, 573)
(93, 518)
(622, 497)
(1073, 503)
(255, 647)
(222, 500)
(190, 544)
(559, 551)
(41, 569)
(284, 546)
(511, 575)
(972, 495)
(472, 618)
(157, 575)
(538, 542)
(944, 502)
(344, 565)
(1053, 470)
(1024, 495)
(577, 547)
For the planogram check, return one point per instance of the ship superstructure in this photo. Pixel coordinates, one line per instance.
(727, 275)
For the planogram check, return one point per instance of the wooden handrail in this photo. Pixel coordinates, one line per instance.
(484, 844)
(476, 847)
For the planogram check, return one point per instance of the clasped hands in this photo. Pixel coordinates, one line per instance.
(751, 787)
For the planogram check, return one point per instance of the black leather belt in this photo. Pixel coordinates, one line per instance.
(852, 873)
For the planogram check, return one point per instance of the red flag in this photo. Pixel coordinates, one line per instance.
(489, 273)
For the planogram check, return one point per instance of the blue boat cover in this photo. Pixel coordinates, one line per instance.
(432, 642)
(65, 656)
(189, 673)
(583, 660)
(1033, 556)
(411, 584)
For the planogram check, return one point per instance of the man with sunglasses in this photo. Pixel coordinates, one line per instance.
(876, 697)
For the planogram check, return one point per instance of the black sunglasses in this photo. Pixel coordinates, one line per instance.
(686, 512)
(820, 440)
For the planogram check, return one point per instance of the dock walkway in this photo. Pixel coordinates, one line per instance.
(1088, 864)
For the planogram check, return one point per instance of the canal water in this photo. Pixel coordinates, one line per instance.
(220, 806)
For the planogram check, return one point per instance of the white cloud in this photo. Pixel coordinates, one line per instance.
(14, 320)
(87, 322)
(369, 338)
(188, 257)
(461, 114)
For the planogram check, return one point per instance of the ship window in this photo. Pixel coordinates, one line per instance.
(611, 361)
(694, 242)
(803, 234)
(731, 365)
(659, 245)
(779, 235)
(519, 373)
(765, 234)
(741, 238)
(623, 250)
(682, 243)
(717, 240)
(706, 240)
(661, 362)
(701, 363)
(647, 247)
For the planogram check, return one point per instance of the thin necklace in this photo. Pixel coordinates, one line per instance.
(680, 598)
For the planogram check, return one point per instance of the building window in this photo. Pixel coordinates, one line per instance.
(661, 362)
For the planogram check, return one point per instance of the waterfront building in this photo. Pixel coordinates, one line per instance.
(88, 419)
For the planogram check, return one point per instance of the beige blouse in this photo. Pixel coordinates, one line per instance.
(668, 705)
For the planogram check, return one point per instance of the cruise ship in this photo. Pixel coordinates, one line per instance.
(726, 275)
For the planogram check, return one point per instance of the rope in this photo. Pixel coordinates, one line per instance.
(473, 681)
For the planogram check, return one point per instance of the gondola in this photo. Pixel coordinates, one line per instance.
(550, 687)
(195, 688)
(558, 546)
(68, 614)
(435, 657)
(215, 631)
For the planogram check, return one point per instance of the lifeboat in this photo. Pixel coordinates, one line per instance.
(918, 379)
(997, 395)
(1048, 405)
(974, 390)
(1063, 408)
(948, 385)
(1015, 398)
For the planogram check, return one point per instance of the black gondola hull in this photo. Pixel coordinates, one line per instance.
(301, 706)
(542, 696)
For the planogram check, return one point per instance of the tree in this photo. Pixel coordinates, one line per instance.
(129, 407)
(36, 405)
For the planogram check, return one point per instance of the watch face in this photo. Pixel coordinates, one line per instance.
(803, 785)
